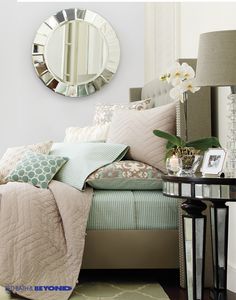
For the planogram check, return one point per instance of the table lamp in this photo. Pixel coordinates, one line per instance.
(216, 66)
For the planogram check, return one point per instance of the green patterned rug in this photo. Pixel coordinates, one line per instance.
(108, 291)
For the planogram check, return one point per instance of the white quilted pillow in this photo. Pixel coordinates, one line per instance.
(13, 155)
(86, 134)
(135, 129)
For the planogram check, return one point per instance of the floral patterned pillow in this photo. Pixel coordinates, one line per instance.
(126, 175)
(104, 112)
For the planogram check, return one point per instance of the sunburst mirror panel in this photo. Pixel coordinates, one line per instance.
(75, 52)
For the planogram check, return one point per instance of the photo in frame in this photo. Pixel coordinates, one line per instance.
(213, 161)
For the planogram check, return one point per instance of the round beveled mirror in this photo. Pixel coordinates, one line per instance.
(76, 52)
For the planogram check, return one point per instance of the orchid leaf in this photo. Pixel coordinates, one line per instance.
(204, 144)
(172, 139)
(170, 145)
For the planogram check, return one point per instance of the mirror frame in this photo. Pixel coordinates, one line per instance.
(51, 80)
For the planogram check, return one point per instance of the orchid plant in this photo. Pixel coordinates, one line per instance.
(181, 77)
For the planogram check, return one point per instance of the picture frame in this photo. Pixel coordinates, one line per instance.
(213, 161)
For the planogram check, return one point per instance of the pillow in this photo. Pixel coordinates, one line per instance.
(37, 169)
(84, 159)
(86, 134)
(135, 129)
(104, 112)
(126, 175)
(13, 155)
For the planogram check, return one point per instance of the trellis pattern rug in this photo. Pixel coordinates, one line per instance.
(109, 291)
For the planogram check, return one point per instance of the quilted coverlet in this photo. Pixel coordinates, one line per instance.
(42, 235)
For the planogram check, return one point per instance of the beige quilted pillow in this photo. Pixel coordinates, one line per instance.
(86, 134)
(13, 155)
(104, 112)
(135, 128)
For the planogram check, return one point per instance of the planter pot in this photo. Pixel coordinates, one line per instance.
(189, 164)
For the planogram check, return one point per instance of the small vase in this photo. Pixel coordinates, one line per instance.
(189, 164)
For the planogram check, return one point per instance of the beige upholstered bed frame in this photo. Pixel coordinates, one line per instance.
(150, 249)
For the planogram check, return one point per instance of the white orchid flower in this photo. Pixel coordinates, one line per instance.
(176, 74)
(188, 72)
(187, 85)
(181, 78)
(177, 93)
(164, 77)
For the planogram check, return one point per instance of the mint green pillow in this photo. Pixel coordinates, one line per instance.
(84, 159)
(37, 169)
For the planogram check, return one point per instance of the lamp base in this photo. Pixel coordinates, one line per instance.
(231, 137)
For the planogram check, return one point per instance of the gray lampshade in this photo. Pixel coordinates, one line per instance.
(216, 64)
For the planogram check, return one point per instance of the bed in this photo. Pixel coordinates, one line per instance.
(140, 229)
(135, 227)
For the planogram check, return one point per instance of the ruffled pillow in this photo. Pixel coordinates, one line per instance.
(87, 134)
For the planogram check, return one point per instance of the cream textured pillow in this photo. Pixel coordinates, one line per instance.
(104, 112)
(13, 155)
(135, 129)
(86, 134)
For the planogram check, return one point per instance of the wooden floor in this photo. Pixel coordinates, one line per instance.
(169, 280)
(170, 283)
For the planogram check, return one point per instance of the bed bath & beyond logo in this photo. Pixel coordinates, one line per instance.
(38, 288)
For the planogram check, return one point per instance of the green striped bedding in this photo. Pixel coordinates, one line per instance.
(132, 210)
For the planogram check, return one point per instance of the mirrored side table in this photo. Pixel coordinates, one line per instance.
(218, 191)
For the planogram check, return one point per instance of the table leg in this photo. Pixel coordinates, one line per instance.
(194, 232)
(219, 231)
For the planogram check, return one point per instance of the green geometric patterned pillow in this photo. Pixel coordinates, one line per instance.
(37, 169)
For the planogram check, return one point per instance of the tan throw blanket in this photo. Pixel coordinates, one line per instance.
(42, 235)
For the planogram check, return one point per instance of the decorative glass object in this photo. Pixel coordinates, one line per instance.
(231, 137)
(173, 165)
(189, 164)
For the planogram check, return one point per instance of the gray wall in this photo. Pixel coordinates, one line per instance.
(30, 112)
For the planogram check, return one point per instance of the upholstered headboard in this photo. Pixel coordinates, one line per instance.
(156, 90)
(198, 106)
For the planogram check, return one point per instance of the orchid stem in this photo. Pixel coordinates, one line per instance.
(186, 116)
